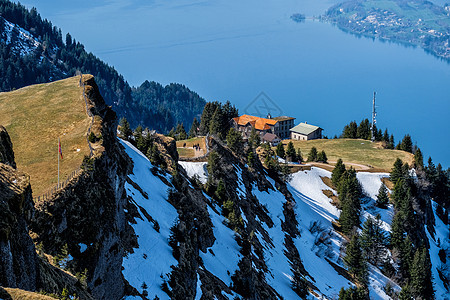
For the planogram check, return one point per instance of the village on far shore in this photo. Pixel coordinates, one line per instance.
(274, 129)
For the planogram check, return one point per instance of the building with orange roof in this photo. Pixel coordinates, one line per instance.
(279, 126)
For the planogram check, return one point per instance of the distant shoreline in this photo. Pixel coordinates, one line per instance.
(418, 23)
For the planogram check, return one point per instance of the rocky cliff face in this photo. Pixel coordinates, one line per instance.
(6, 148)
(18, 267)
(86, 219)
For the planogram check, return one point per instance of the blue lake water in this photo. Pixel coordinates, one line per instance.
(233, 50)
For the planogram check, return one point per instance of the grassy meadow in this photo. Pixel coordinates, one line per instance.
(35, 117)
(355, 151)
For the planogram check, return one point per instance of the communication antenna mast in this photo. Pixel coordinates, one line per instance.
(374, 120)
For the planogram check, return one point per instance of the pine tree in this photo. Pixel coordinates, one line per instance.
(290, 152)
(312, 155)
(299, 155)
(421, 276)
(354, 260)
(338, 170)
(406, 144)
(280, 150)
(396, 172)
(418, 159)
(221, 191)
(234, 140)
(350, 131)
(349, 193)
(391, 142)
(397, 231)
(195, 128)
(373, 241)
(382, 197)
(215, 126)
(125, 129)
(406, 255)
(405, 293)
(255, 139)
(322, 157)
(207, 115)
(386, 136)
(180, 132)
(363, 130)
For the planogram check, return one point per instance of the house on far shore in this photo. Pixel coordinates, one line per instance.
(270, 138)
(305, 132)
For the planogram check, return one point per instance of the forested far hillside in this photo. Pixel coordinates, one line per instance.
(166, 106)
(32, 51)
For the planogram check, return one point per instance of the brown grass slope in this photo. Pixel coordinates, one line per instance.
(35, 117)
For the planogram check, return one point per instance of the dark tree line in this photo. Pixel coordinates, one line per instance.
(216, 118)
(151, 104)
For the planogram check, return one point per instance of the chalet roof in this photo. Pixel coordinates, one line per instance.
(283, 118)
(257, 122)
(304, 128)
(270, 137)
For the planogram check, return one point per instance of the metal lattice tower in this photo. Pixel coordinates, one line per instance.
(374, 116)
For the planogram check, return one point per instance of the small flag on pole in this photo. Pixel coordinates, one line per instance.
(59, 149)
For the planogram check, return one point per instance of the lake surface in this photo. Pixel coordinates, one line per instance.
(234, 50)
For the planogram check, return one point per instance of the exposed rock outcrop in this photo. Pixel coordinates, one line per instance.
(89, 211)
(20, 266)
(6, 148)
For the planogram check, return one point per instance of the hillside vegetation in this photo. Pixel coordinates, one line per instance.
(35, 117)
(355, 151)
(414, 22)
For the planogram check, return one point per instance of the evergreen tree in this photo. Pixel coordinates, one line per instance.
(391, 142)
(125, 129)
(353, 293)
(213, 166)
(386, 136)
(354, 260)
(195, 128)
(215, 125)
(373, 241)
(349, 193)
(405, 258)
(221, 191)
(207, 115)
(396, 172)
(363, 130)
(290, 152)
(338, 170)
(382, 197)
(280, 150)
(406, 144)
(322, 157)
(254, 139)
(421, 276)
(139, 139)
(312, 155)
(350, 131)
(418, 159)
(299, 155)
(397, 231)
(405, 293)
(234, 140)
(180, 133)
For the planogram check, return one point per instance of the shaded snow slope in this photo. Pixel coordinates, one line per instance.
(23, 41)
(152, 260)
(195, 168)
(440, 241)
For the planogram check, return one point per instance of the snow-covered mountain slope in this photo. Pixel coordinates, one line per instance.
(21, 40)
(320, 247)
